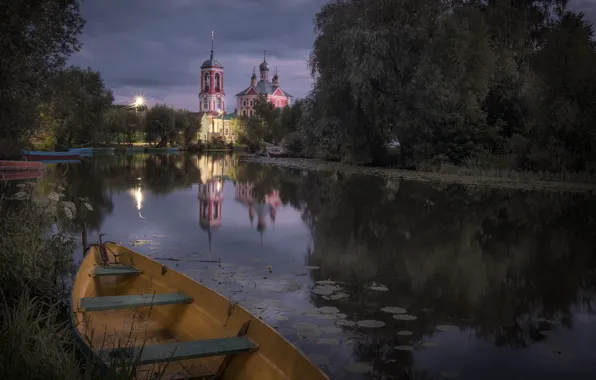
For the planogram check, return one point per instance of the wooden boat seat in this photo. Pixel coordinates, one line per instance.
(114, 270)
(170, 352)
(131, 301)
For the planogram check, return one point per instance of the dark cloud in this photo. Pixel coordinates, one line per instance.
(156, 47)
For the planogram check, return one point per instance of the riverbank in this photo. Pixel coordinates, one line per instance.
(504, 179)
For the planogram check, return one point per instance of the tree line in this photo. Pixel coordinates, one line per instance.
(498, 83)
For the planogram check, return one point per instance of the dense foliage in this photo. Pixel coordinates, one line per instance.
(163, 123)
(507, 83)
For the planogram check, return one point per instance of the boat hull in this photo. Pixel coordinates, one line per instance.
(209, 315)
(6, 165)
(88, 150)
(34, 155)
(10, 176)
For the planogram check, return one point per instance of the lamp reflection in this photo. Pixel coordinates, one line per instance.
(137, 193)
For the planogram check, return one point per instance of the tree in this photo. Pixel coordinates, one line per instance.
(188, 124)
(36, 39)
(160, 124)
(266, 113)
(73, 112)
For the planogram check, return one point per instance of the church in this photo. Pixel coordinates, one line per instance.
(212, 103)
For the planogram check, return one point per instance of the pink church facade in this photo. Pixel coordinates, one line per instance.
(275, 94)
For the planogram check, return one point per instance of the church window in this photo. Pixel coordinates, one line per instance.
(205, 104)
(243, 112)
(207, 81)
(244, 103)
(250, 112)
(216, 211)
(251, 103)
(219, 103)
(226, 131)
(217, 81)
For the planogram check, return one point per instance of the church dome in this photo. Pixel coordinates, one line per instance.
(264, 66)
(211, 63)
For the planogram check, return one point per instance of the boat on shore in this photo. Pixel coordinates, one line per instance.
(167, 317)
(20, 166)
(276, 151)
(36, 155)
(87, 150)
(14, 175)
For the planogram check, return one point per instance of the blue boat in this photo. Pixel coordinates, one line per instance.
(60, 161)
(87, 150)
(36, 155)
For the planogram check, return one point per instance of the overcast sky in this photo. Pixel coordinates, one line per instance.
(156, 47)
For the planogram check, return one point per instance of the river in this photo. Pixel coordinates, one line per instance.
(371, 278)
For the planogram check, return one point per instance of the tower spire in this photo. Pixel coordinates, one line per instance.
(212, 38)
(264, 55)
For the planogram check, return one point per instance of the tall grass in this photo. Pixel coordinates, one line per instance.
(36, 259)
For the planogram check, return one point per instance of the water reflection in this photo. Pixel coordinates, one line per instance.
(372, 278)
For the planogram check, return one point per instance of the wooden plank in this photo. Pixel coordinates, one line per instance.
(131, 301)
(170, 352)
(115, 270)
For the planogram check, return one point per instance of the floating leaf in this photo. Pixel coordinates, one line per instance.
(88, 206)
(331, 330)
(344, 322)
(378, 287)
(341, 316)
(404, 333)
(359, 367)
(338, 296)
(404, 317)
(328, 310)
(324, 290)
(325, 316)
(325, 282)
(394, 310)
(370, 323)
(312, 267)
(447, 328)
(429, 344)
(281, 318)
(404, 348)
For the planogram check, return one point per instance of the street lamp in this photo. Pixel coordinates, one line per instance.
(139, 102)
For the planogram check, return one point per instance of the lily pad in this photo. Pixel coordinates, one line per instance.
(447, 328)
(341, 316)
(331, 330)
(370, 323)
(404, 317)
(326, 316)
(359, 367)
(404, 348)
(325, 282)
(281, 318)
(378, 288)
(312, 267)
(338, 296)
(404, 333)
(324, 290)
(328, 310)
(307, 329)
(394, 310)
(429, 344)
(344, 322)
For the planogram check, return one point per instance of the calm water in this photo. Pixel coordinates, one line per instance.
(372, 279)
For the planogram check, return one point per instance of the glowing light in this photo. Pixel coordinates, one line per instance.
(218, 186)
(139, 101)
(137, 194)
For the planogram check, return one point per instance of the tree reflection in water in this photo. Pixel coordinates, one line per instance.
(503, 265)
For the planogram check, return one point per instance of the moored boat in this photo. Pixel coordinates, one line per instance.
(174, 320)
(9, 176)
(87, 150)
(36, 155)
(6, 165)
(276, 151)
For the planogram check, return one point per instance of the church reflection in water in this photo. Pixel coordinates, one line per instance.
(214, 175)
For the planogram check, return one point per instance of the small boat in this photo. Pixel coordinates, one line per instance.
(36, 155)
(276, 151)
(174, 149)
(60, 161)
(6, 165)
(9, 176)
(87, 150)
(130, 311)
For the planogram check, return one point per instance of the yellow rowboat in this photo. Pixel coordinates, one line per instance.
(132, 312)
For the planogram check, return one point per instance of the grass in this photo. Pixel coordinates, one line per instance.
(36, 258)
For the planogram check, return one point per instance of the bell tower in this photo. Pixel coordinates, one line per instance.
(212, 94)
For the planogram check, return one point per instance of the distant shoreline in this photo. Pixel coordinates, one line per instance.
(390, 173)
